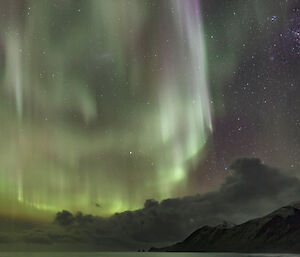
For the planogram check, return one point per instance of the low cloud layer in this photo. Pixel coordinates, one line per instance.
(253, 189)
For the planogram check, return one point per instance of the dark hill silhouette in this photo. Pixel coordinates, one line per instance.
(277, 232)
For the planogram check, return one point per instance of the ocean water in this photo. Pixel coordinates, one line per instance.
(136, 254)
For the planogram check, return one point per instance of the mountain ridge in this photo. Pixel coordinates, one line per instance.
(278, 231)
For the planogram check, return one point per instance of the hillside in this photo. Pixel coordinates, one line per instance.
(277, 232)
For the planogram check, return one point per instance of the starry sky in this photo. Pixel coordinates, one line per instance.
(105, 104)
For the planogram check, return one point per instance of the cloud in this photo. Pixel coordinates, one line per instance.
(253, 189)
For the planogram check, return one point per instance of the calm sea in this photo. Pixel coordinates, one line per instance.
(136, 254)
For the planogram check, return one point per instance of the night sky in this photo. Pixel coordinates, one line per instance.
(105, 104)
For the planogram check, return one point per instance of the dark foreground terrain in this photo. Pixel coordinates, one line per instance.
(277, 232)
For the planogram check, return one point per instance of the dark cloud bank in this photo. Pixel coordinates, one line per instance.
(253, 189)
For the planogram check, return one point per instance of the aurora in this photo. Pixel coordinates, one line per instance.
(96, 115)
(111, 106)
